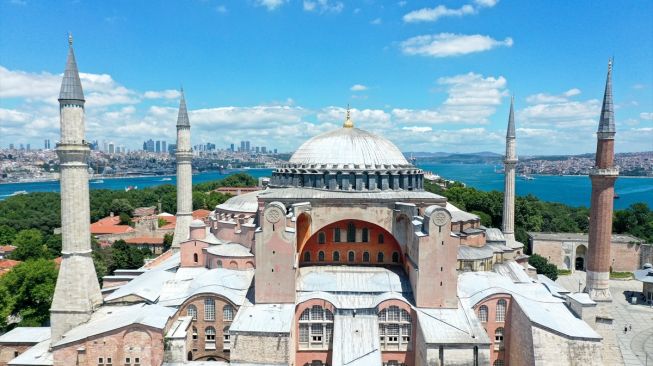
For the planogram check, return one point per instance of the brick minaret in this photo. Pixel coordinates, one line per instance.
(508, 226)
(603, 176)
(77, 292)
(184, 157)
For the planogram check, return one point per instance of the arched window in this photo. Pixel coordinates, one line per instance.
(381, 239)
(498, 336)
(195, 258)
(395, 328)
(190, 356)
(379, 257)
(395, 257)
(228, 313)
(482, 313)
(336, 235)
(209, 334)
(320, 256)
(366, 256)
(501, 310)
(192, 311)
(351, 256)
(315, 328)
(226, 339)
(218, 263)
(307, 256)
(336, 256)
(351, 232)
(194, 333)
(365, 235)
(321, 237)
(209, 309)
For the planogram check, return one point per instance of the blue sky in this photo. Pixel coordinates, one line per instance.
(429, 75)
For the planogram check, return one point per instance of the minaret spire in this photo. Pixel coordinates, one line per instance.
(77, 293)
(510, 161)
(606, 122)
(511, 119)
(184, 155)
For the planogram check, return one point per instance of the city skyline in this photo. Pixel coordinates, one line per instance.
(430, 76)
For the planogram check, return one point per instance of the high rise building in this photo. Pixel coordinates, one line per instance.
(11, 146)
(157, 148)
(232, 148)
(77, 292)
(247, 148)
(112, 148)
(28, 147)
(264, 150)
(184, 157)
(603, 176)
(164, 147)
(242, 146)
(148, 145)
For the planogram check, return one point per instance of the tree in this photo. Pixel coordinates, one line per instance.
(125, 219)
(121, 205)
(636, 220)
(7, 235)
(53, 243)
(167, 241)
(27, 291)
(29, 245)
(543, 266)
(124, 256)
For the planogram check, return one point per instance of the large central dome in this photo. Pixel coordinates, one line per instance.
(349, 147)
(348, 159)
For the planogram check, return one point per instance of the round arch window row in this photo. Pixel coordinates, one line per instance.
(351, 257)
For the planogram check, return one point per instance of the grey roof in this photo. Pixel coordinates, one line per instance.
(264, 318)
(312, 194)
(228, 283)
(466, 252)
(341, 279)
(31, 335)
(458, 215)
(343, 147)
(71, 86)
(109, 318)
(182, 117)
(582, 298)
(553, 287)
(146, 286)
(39, 355)
(511, 120)
(494, 234)
(644, 275)
(353, 300)
(535, 300)
(514, 271)
(606, 122)
(247, 202)
(582, 237)
(446, 326)
(229, 250)
(357, 338)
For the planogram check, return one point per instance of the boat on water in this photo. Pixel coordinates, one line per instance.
(166, 179)
(17, 193)
(526, 177)
(130, 188)
(97, 181)
(616, 196)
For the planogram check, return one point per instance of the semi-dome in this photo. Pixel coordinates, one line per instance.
(348, 159)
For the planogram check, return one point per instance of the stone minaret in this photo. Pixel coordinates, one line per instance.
(184, 156)
(603, 176)
(77, 292)
(508, 226)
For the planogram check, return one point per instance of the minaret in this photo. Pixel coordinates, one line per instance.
(508, 226)
(77, 292)
(184, 156)
(603, 176)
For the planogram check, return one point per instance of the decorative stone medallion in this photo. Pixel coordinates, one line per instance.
(440, 218)
(273, 215)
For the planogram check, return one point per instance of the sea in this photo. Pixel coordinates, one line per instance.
(570, 190)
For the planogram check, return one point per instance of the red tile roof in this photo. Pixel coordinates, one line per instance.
(144, 240)
(110, 225)
(7, 248)
(7, 264)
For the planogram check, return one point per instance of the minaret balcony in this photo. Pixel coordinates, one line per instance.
(605, 171)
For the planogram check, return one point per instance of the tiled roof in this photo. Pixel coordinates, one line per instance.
(144, 240)
(110, 225)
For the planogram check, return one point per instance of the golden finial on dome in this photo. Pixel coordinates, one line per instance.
(348, 122)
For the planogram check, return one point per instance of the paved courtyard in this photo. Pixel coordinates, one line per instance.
(636, 345)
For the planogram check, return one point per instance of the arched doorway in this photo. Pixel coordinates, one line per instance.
(579, 262)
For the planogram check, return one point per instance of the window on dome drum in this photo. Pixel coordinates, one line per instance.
(336, 235)
(307, 256)
(226, 339)
(228, 313)
(209, 338)
(336, 256)
(379, 257)
(320, 256)
(321, 237)
(395, 257)
(315, 328)
(380, 239)
(501, 310)
(351, 256)
(192, 311)
(195, 259)
(209, 309)
(366, 256)
(365, 235)
(395, 329)
(482, 313)
(475, 355)
(351, 232)
(194, 333)
(498, 339)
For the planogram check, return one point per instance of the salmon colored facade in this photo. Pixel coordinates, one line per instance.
(494, 314)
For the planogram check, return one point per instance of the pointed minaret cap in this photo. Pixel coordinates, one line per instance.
(511, 120)
(182, 117)
(348, 122)
(71, 87)
(606, 123)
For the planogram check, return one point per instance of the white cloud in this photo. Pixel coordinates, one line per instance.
(270, 4)
(417, 129)
(358, 87)
(402, 3)
(433, 14)
(323, 6)
(486, 3)
(548, 98)
(373, 119)
(449, 44)
(221, 9)
(162, 94)
(646, 116)
(376, 21)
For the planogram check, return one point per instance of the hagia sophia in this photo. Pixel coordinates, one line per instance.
(344, 259)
